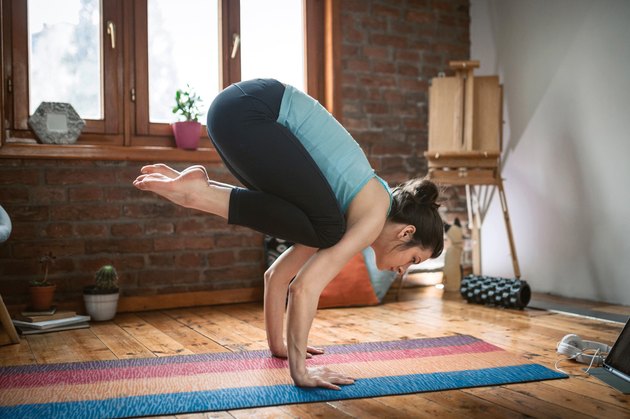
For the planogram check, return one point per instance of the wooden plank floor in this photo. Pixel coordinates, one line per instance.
(420, 312)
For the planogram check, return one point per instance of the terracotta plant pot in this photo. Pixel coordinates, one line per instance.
(42, 297)
(187, 134)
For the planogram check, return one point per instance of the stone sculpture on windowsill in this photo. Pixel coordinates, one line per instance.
(56, 123)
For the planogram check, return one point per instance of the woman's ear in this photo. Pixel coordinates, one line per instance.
(407, 232)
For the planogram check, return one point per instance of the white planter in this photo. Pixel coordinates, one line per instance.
(101, 307)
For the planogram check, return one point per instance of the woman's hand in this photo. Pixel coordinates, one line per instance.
(284, 353)
(322, 377)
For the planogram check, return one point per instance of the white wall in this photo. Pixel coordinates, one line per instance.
(565, 66)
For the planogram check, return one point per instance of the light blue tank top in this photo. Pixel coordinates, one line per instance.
(333, 149)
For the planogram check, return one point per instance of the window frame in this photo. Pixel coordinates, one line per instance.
(97, 131)
(126, 133)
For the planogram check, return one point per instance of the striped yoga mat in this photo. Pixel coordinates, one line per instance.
(223, 381)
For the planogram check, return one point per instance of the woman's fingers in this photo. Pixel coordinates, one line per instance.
(339, 378)
(328, 385)
(310, 351)
(326, 378)
(334, 382)
(344, 381)
(314, 351)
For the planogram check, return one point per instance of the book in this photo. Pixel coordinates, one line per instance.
(30, 331)
(30, 312)
(48, 324)
(41, 318)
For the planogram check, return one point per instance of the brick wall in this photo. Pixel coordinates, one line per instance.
(390, 51)
(88, 214)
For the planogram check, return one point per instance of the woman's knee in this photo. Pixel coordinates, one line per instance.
(330, 234)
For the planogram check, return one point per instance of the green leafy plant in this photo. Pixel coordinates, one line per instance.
(106, 279)
(187, 104)
(46, 261)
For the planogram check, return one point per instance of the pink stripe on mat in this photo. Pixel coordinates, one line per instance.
(141, 385)
(45, 378)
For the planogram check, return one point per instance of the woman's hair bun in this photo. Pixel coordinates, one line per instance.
(415, 202)
(422, 191)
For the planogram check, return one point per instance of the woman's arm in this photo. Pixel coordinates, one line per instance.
(366, 217)
(303, 298)
(277, 279)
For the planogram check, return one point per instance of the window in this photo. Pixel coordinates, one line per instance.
(120, 62)
(183, 49)
(64, 46)
(272, 41)
(60, 54)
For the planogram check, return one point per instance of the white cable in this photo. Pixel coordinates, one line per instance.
(592, 360)
(561, 370)
(573, 357)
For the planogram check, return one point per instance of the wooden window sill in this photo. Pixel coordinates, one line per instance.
(107, 152)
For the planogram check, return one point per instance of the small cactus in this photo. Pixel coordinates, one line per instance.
(107, 279)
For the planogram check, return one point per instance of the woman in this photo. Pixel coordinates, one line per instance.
(306, 181)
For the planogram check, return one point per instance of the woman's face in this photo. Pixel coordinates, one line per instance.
(398, 258)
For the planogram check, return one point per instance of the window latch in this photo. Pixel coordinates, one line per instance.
(236, 41)
(111, 31)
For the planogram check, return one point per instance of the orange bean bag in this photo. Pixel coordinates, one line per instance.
(351, 287)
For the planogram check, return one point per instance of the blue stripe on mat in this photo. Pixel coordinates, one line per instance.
(248, 397)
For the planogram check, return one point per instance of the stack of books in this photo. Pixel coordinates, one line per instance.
(53, 320)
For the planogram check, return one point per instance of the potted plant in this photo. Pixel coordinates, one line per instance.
(42, 291)
(187, 132)
(101, 299)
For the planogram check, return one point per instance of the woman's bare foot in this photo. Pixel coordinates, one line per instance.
(189, 188)
(172, 173)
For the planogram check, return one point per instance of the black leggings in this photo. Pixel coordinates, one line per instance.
(287, 195)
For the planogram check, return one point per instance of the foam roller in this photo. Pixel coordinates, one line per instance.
(504, 292)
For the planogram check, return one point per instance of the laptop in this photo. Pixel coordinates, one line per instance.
(616, 367)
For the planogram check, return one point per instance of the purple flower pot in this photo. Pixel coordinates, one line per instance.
(187, 134)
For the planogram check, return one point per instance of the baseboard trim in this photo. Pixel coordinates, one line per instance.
(189, 299)
(138, 303)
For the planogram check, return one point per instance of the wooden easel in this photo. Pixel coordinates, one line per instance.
(465, 117)
(5, 320)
